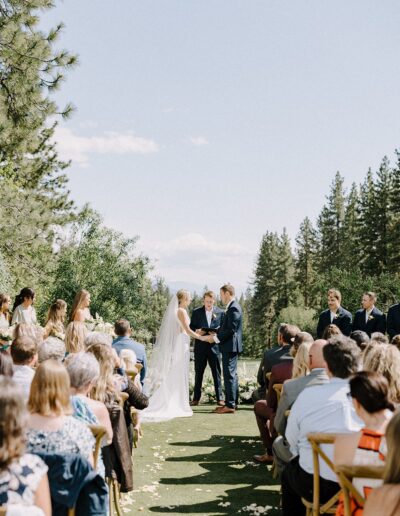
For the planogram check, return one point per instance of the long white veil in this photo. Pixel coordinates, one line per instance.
(163, 349)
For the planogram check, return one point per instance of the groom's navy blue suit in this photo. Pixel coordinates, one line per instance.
(230, 342)
(205, 352)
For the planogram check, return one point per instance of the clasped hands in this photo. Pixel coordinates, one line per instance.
(206, 338)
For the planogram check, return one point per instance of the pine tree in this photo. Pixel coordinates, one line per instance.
(284, 275)
(306, 259)
(394, 220)
(330, 227)
(350, 255)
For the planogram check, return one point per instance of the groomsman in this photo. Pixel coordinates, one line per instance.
(207, 316)
(369, 318)
(335, 314)
(393, 321)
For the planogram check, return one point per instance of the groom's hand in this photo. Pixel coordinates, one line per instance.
(210, 339)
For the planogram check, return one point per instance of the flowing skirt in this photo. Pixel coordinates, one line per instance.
(171, 399)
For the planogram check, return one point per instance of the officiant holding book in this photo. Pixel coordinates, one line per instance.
(206, 319)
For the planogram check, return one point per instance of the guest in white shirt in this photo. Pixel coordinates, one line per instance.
(23, 311)
(322, 408)
(24, 352)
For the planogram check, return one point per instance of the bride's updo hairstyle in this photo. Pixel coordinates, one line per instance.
(182, 294)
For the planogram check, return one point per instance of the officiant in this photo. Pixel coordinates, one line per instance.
(207, 317)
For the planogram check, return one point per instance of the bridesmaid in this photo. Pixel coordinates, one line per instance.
(80, 308)
(23, 311)
(5, 302)
(55, 320)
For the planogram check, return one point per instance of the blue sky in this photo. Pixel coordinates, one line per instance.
(202, 124)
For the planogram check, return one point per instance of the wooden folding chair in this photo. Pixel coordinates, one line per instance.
(315, 508)
(346, 473)
(98, 432)
(123, 396)
(113, 497)
(278, 389)
(3, 510)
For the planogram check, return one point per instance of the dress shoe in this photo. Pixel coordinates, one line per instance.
(194, 403)
(224, 410)
(264, 458)
(221, 403)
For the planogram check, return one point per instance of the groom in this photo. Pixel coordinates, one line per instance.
(229, 338)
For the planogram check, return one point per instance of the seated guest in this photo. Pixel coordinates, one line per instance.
(369, 318)
(51, 427)
(396, 341)
(84, 371)
(6, 365)
(55, 320)
(53, 348)
(385, 359)
(370, 395)
(335, 314)
(23, 310)
(23, 477)
(264, 410)
(123, 331)
(385, 500)
(129, 363)
(286, 332)
(75, 336)
(393, 321)
(380, 338)
(291, 390)
(97, 337)
(320, 408)
(24, 352)
(331, 331)
(360, 338)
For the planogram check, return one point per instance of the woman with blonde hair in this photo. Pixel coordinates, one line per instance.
(107, 386)
(386, 499)
(385, 359)
(23, 477)
(55, 320)
(51, 427)
(75, 336)
(301, 363)
(80, 307)
(5, 316)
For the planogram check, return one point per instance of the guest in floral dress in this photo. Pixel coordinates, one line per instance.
(23, 477)
(51, 426)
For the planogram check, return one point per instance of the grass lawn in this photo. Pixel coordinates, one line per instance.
(202, 465)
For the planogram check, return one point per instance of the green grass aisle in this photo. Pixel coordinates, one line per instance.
(202, 465)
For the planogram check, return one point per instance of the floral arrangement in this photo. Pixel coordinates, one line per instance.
(98, 324)
(246, 387)
(7, 334)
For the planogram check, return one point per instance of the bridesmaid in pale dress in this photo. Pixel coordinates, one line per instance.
(80, 308)
(5, 302)
(23, 310)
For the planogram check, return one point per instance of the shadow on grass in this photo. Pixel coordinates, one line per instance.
(254, 482)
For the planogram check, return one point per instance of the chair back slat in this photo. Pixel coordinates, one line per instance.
(98, 432)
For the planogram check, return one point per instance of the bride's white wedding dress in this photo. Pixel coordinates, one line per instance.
(167, 381)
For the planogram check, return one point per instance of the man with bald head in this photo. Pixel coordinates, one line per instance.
(291, 389)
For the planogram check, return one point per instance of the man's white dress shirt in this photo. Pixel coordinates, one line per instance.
(320, 408)
(209, 317)
(23, 376)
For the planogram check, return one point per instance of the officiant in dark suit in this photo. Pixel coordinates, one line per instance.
(335, 314)
(369, 318)
(207, 316)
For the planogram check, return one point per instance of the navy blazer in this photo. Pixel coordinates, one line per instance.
(343, 321)
(393, 321)
(231, 332)
(199, 320)
(376, 322)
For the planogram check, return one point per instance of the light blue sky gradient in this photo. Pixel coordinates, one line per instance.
(246, 109)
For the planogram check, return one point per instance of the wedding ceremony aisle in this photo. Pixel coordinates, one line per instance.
(202, 465)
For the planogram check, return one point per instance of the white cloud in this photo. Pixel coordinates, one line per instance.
(79, 148)
(199, 140)
(197, 260)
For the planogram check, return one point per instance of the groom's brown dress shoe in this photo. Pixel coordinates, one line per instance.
(264, 458)
(194, 403)
(224, 410)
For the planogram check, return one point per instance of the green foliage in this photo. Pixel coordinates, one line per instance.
(303, 317)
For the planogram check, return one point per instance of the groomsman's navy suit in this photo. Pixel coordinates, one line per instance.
(393, 321)
(230, 343)
(376, 321)
(205, 352)
(342, 320)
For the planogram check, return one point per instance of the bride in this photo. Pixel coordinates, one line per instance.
(167, 382)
